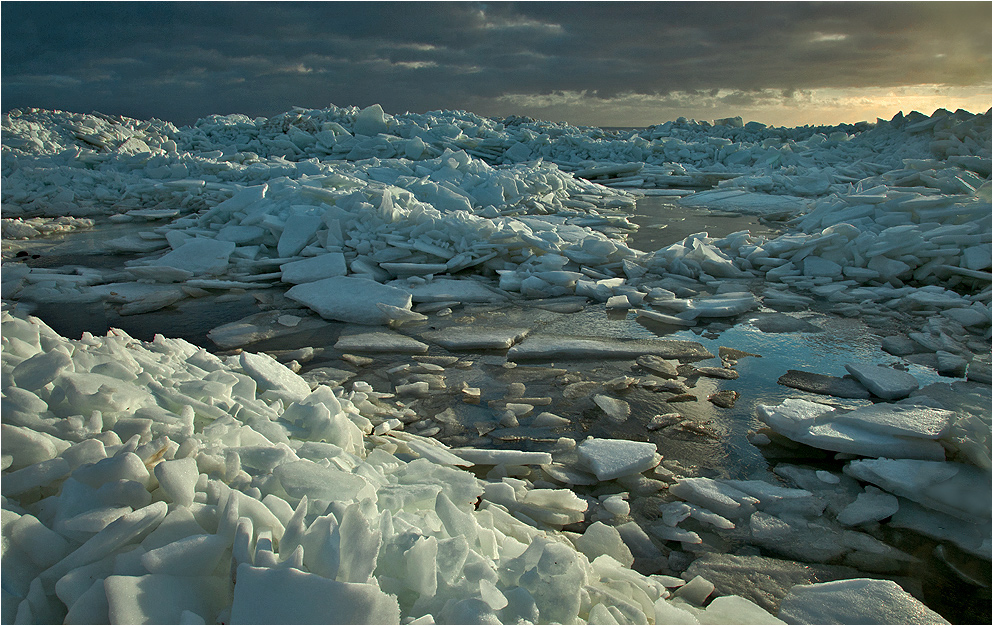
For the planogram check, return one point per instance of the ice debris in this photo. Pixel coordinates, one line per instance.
(156, 482)
(888, 217)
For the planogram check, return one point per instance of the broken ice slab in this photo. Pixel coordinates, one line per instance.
(271, 375)
(724, 373)
(404, 270)
(152, 302)
(480, 456)
(661, 318)
(349, 299)
(762, 580)
(716, 496)
(885, 382)
(820, 426)
(614, 458)
(557, 348)
(116, 535)
(855, 601)
(434, 451)
(781, 323)
(902, 419)
(314, 268)
(267, 595)
(297, 231)
(159, 273)
(824, 385)
(963, 491)
(659, 366)
(740, 201)
(569, 475)
(379, 342)
(723, 305)
(562, 304)
(616, 410)
(871, 506)
(669, 533)
(449, 289)
(261, 326)
(136, 243)
(470, 338)
(973, 538)
(199, 256)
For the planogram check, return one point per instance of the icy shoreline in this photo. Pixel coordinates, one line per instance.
(228, 486)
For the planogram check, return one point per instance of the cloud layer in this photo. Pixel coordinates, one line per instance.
(595, 63)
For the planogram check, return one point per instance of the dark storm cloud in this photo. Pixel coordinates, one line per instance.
(180, 61)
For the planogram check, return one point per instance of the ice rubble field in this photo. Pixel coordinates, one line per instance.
(157, 482)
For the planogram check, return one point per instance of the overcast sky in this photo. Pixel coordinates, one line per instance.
(607, 64)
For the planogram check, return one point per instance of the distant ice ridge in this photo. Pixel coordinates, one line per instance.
(155, 482)
(123, 155)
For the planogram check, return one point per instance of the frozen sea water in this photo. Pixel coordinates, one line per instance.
(764, 302)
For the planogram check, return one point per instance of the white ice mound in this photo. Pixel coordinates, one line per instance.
(855, 601)
(350, 299)
(204, 489)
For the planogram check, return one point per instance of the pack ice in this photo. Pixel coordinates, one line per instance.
(889, 218)
(153, 482)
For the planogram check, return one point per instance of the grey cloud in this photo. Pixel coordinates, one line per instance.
(247, 57)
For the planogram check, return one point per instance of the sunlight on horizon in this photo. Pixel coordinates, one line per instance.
(813, 107)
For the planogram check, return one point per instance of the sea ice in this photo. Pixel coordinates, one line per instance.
(824, 427)
(470, 338)
(481, 456)
(892, 224)
(613, 458)
(261, 326)
(871, 506)
(855, 601)
(901, 419)
(349, 299)
(762, 580)
(617, 410)
(957, 489)
(823, 384)
(884, 382)
(379, 341)
(199, 256)
(268, 596)
(314, 268)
